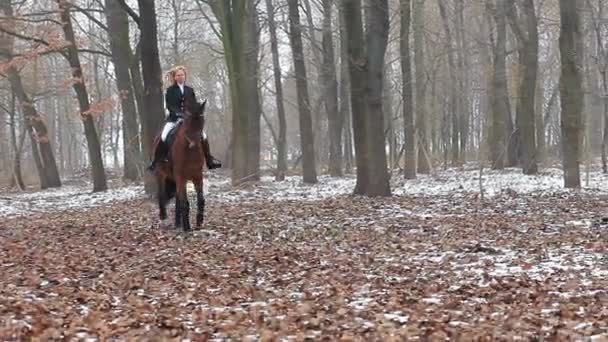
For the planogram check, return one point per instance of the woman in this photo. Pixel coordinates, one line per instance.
(176, 95)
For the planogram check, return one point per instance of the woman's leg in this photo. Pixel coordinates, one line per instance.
(162, 149)
(212, 163)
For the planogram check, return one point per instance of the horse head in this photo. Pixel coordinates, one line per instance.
(194, 121)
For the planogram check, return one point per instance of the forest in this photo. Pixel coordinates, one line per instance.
(391, 170)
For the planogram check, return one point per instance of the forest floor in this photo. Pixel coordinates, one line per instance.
(289, 261)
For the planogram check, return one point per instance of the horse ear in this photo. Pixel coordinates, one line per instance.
(203, 105)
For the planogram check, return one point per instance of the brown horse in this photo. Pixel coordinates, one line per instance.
(185, 164)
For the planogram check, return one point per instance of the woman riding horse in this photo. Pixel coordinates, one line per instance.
(175, 97)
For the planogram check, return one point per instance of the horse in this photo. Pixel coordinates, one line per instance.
(185, 164)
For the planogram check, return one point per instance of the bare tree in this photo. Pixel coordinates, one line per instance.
(344, 93)
(152, 74)
(94, 147)
(454, 84)
(571, 85)
(240, 39)
(118, 25)
(306, 135)
(41, 143)
(366, 64)
(525, 27)
(282, 138)
(409, 170)
(420, 83)
(499, 132)
(330, 86)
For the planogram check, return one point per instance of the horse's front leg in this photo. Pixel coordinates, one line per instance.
(200, 199)
(184, 206)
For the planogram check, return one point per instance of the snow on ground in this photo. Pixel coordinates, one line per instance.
(64, 198)
(456, 181)
(451, 182)
(444, 183)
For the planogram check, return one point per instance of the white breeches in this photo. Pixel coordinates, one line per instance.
(169, 126)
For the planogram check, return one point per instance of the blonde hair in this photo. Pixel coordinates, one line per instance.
(170, 77)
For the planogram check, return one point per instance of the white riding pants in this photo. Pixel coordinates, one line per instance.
(169, 126)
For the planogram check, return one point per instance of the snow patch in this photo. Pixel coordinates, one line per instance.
(64, 198)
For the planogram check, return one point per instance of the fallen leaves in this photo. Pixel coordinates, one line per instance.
(343, 268)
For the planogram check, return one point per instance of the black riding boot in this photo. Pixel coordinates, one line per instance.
(160, 154)
(212, 163)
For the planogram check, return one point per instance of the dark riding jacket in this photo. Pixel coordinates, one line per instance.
(175, 100)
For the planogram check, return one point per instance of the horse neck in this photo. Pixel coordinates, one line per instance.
(190, 128)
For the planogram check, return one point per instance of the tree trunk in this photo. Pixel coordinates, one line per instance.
(251, 102)
(409, 171)
(17, 177)
(345, 112)
(463, 82)
(306, 134)
(527, 37)
(377, 28)
(94, 148)
(366, 68)
(100, 119)
(603, 81)
(571, 90)
(330, 86)
(151, 111)
(118, 24)
(239, 32)
(499, 132)
(605, 116)
(419, 58)
(137, 87)
(539, 125)
(357, 64)
(453, 107)
(387, 109)
(48, 172)
(317, 97)
(177, 57)
(152, 74)
(282, 139)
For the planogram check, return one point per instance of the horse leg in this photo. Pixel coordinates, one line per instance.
(200, 199)
(162, 197)
(184, 206)
(178, 213)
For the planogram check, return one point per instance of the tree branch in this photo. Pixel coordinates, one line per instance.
(96, 52)
(27, 20)
(514, 22)
(92, 18)
(131, 12)
(200, 7)
(24, 37)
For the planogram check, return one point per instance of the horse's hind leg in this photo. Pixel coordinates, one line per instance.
(200, 199)
(162, 198)
(178, 213)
